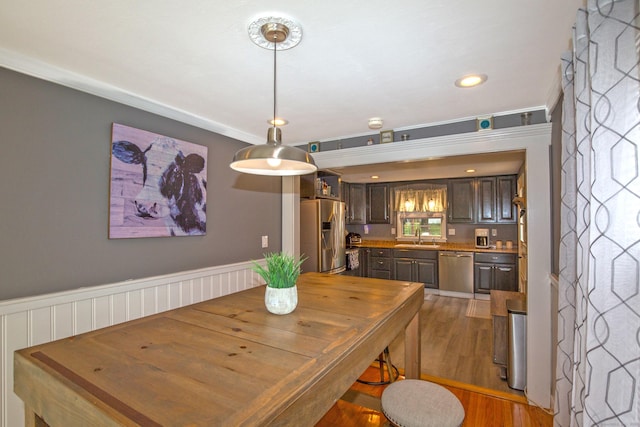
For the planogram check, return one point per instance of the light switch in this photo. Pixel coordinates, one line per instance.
(494, 232)
(265, 241)
(393, 231)
(366, 229)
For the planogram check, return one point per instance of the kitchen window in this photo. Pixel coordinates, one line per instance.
(421, 212)
(425, 226)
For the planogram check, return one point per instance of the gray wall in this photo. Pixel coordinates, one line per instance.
(54, 187)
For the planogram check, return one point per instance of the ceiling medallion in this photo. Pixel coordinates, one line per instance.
(289, 40)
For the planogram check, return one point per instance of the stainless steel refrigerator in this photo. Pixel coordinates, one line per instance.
(322, 236)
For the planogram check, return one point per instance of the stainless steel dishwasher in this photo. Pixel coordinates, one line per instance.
(455, 272)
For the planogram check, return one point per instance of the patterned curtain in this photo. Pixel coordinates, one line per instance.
(420, 198)
(598, 354)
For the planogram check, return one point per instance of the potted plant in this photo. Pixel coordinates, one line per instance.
(281, 274)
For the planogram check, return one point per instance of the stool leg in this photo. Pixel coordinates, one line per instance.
(387, 359)
(381, 366)
(383, 359)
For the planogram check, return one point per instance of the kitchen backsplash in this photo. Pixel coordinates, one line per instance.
(464, 232)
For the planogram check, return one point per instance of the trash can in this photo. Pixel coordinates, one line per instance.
(517, 344)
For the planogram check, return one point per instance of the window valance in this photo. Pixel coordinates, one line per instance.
(422, 198)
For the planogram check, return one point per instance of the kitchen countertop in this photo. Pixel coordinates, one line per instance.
(391, 244)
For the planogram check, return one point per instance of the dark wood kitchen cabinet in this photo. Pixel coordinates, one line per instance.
(494, 196)
(495, 271)
(506, 190)
(361, 270)
(481, 200)
(416, 266)
(461, 200)
(486, 199)
(379, 263)
(356, 203)
(378, 204)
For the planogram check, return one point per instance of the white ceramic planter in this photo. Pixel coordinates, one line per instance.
(281, 300)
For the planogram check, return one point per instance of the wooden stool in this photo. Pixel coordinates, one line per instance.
(416, 403)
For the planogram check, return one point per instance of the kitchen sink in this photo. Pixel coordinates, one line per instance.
(416, 246)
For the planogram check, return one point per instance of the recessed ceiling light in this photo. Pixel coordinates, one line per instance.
(374, 177)
(470, 170)
(471, 80)
(278, 122)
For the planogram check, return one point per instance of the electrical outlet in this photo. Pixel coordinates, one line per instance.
(393, 231)
(494, 232)
(366, 229)
(452, 232)
(265, 241)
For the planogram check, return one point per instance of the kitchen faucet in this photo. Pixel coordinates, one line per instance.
(419, 234)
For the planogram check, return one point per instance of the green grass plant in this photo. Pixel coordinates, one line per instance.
(282, 269)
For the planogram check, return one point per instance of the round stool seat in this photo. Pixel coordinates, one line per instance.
(416, 403)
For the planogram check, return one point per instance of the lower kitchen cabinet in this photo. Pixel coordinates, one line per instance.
(495, 272)
(416, 266)
(379, 263)
(361, 271)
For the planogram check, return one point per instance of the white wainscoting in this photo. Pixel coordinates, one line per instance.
(35, 320)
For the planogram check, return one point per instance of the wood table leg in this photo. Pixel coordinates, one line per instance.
(412, 348)
(29, 417)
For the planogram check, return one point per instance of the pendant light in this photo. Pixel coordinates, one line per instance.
(273, 158)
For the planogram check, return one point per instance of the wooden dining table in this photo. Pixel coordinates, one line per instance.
(225, 361)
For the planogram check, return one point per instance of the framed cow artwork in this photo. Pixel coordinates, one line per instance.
(158, 185)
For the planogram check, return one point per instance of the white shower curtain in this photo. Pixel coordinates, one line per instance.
(598, 353)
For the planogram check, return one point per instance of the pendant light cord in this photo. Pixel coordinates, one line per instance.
(275, 45)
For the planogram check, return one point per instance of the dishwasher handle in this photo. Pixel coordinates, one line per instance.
(456, 254)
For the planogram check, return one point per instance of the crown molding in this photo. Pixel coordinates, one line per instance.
(555, 93)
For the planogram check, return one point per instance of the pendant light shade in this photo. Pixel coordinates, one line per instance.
(273, 158)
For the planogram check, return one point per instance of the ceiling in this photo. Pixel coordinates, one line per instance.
(195, 62)
(503, 163)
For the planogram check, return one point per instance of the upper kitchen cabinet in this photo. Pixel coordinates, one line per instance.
(378, 204)
(321, 184)
(486, 198)
(355, 197)
(482, 200)
(461, 200)
(494, 199)
(507, 211)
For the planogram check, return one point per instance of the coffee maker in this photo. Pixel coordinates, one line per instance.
(482, 238)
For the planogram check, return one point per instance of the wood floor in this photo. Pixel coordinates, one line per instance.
(454, 346)
(457, 353)
(361, 408)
